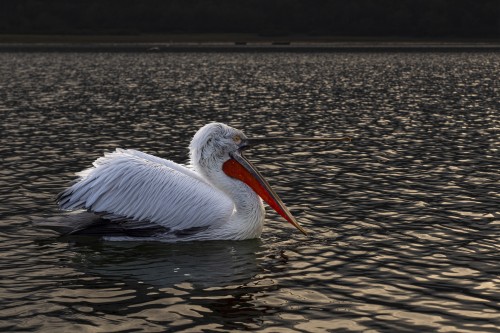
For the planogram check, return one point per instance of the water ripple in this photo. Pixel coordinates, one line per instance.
(404, 219)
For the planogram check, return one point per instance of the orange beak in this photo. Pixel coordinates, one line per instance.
(240, 168)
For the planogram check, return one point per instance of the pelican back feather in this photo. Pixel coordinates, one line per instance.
(142, 187)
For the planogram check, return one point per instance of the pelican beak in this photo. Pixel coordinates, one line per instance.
(240, 168)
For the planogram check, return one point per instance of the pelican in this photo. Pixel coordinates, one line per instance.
(130, 195)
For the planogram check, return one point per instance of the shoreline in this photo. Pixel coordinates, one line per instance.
(236, 42)
(231, 38)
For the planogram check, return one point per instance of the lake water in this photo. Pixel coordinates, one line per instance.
(404, 220)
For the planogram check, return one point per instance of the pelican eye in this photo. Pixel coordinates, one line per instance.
(237, 139)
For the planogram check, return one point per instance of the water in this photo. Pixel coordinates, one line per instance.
(404, 219)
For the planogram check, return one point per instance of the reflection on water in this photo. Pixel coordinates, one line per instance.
(161, 265)
(405, 218)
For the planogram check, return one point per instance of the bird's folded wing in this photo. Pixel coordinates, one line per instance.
(142, 187)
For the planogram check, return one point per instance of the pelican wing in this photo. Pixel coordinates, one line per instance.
(128, 184)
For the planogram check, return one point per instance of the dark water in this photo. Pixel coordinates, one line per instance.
(405, 219)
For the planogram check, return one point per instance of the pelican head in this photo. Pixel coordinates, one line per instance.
(212, 145)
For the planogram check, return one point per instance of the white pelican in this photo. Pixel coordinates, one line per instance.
(133, 195)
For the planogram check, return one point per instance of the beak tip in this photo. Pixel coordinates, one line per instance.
(302, 230)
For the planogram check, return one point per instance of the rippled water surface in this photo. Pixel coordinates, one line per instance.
(404, 219)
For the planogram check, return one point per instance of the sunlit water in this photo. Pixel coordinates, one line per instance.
(404, 220)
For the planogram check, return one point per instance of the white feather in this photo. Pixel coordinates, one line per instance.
(135, 186)
(139, 186)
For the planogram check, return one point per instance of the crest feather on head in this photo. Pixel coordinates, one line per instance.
(208, 143)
